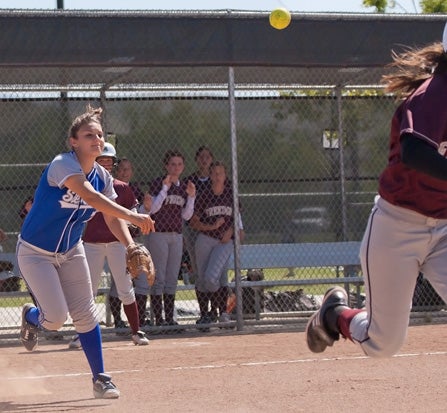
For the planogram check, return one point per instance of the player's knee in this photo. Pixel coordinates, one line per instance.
(128, 298)
(54, 323)
(382, 349)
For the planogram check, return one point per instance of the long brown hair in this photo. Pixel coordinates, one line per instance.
(413, 67)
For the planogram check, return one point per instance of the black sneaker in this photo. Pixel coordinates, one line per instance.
(204, 319)
(103, 388)
(28, 331)
(121, 328)
(146, 323)
(319, 333)
(212, 315)
(173, 330)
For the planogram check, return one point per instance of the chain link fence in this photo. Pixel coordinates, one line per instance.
(308, 159)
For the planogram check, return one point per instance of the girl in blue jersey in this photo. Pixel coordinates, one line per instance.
(50, 252)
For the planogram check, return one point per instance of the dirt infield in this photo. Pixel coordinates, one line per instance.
(272, 372)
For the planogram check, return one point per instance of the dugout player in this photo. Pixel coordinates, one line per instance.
(172, 201)
(201, 179)
(407, 229)
(100, 245)
(50, 251)
(124, 171)
(213, 218)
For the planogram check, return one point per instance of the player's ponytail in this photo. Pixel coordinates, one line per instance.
(412, 67)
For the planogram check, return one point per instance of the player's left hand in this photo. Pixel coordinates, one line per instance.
(139, 260)
(191, 189)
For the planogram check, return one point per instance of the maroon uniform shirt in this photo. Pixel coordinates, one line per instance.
(424, 114)
(169, 217)
(97, 230)
(208, 207)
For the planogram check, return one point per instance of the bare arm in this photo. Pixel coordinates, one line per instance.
(119, 228)
(198, 225)
(95, 199)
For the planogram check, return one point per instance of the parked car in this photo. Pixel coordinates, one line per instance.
(314, 219)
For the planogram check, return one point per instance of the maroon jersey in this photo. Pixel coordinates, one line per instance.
(97, 230)
(200, 183)
(169, 217)
(406, 187)
(139, 194)
(209, 206)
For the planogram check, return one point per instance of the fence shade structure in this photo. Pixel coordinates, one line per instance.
(299, 117)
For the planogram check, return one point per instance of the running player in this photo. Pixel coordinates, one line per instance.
(407, 229)
(50, 252)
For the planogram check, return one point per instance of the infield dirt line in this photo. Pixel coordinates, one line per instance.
(55, 376)
(305, 360)
(226, 365)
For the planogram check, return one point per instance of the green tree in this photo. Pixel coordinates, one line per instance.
(434, 6)
(380, 5)
(427, 6)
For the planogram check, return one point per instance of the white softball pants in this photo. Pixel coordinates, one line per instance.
(166, 249)
(212, 258)
(398, 244)
(60, 284)
(115, 253)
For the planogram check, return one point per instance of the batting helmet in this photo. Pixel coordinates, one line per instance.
(109, 151)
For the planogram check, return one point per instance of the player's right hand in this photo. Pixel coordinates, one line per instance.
(219, 222)
(145, 223)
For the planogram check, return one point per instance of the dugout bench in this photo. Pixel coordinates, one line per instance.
(340, 255)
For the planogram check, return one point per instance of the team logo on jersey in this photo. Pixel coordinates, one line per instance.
(219, 211)
(72, 200)
(175, 200)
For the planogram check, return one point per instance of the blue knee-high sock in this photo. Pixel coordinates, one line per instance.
(32, 316)
(92, 346)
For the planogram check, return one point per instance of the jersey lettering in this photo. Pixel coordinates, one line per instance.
(218, 211)
(175, 200)
(73, 201)
(442, 150)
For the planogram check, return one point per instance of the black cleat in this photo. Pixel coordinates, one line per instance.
(319, 333)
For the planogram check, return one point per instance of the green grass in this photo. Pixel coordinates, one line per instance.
(269, 274)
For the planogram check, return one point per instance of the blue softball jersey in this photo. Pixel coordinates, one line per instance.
(57, 218)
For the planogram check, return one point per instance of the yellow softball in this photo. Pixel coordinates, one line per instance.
(280, 18)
